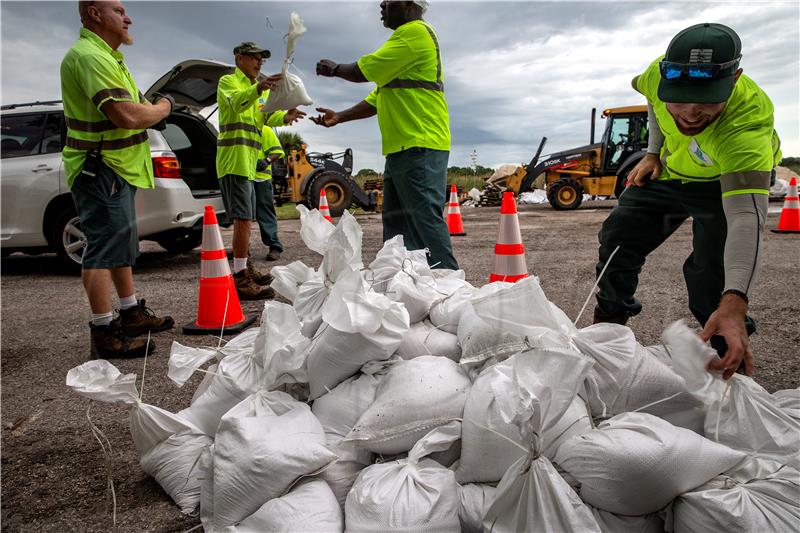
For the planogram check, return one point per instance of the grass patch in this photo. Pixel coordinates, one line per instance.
(287, 211)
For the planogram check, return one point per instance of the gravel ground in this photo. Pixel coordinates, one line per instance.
(53, 472)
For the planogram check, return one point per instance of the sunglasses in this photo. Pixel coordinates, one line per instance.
(698, 71)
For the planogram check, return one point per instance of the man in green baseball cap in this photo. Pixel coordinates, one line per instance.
(711, 154)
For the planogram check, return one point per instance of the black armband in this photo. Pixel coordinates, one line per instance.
(740, 294)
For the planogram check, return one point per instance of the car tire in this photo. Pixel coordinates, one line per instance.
(337, 190)
(68, 240)
(182, 243)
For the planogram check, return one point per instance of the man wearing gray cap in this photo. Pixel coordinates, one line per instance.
(238, 152)
(414, 123)
(711, 155)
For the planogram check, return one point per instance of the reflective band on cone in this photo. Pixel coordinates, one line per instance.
(509, 252)
(790, 214)
(454, 223)
(218, 308)
(323, 206)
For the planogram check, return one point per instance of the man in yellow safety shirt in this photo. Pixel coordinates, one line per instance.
(265, 206)
(238, 152)
(415, 127)
(711, 155)
(106, 158)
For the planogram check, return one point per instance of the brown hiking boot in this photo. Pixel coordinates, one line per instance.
(619, 318)
(273, 255)
(258, 277)
(140, 319)
(107, 342)
(247, 289)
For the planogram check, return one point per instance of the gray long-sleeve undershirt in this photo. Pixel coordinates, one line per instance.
(745, 215)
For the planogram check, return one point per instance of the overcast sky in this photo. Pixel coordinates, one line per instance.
(514, 71)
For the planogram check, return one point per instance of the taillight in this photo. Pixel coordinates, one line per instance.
(166, 167)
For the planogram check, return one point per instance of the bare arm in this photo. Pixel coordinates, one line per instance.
(330, 118)
(135, 116)
(346, 71)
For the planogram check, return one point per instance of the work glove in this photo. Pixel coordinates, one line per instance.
(262, 165)
(162, 124)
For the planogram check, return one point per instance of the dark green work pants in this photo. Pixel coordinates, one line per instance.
(265, 215)
(414, 191)
(644, 218)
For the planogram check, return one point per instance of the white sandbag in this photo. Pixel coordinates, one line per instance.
(789, 401)
(415, 290)
(173, 464)
(740, 413)
(290, 91)
(414, 397)
(627, 377)
(309, 506)
(489, 444)
(168, 445)
(283, 347)
(185, 360)
(635, 463)
(359, 326)
(205, 466)
(764, 498)
(415, 494)
(483, 343)
(446, 312)
(390, 260)
(614, 523)
(263, 446)
(338, 411)
(423, 338)
(289, 278)
(475, 499)
(314, 229)
(532, 496)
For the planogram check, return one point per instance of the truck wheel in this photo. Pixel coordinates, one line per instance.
(182, 242)
(68, 240)
(566, 193)
(337, 190)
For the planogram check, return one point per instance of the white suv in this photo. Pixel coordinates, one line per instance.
(38, 213)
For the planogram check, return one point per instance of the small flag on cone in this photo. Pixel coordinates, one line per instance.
(790, 214)
(218, 307)
(509, 252)
(454, 223)
(323, 206)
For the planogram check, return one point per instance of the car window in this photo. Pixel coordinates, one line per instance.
(51, 141)
(176, 138)
(21, 135)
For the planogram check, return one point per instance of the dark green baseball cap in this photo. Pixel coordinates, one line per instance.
(700, 65)
(250, 48)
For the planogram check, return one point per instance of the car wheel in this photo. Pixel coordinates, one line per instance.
(182, 243)
(337, 191)
(68, 240)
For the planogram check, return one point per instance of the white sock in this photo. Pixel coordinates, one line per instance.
(239, 264)
(128, 302)
(102, 319)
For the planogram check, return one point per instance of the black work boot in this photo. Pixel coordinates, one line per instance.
(618, 318)
(258, 277)
(273, 255)
(107, 342)
(247, 289)
(140, 319)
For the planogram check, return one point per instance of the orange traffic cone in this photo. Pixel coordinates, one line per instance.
(218, 308)
(454, 223)
(509, 252)
(323, 206)
(790, 214)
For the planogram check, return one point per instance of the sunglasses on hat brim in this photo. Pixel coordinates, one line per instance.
(698, 71)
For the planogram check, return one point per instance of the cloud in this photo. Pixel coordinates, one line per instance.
(514, 71)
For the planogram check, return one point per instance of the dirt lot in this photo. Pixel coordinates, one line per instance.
(53, 473)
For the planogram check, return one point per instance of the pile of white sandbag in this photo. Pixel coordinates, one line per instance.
(400, 398)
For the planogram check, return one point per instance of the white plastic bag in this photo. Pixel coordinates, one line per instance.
(423, 338)
(359, 326)
(416, 494)
(635, 463)
(414, 397)
(263, 446)
(290, 91)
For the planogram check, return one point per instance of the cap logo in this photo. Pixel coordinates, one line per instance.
(701, 55)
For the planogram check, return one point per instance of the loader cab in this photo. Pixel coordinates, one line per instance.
(625, 135)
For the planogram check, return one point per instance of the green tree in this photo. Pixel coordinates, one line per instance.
(364, 172)
(289, 140)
